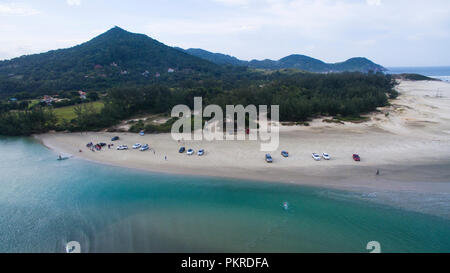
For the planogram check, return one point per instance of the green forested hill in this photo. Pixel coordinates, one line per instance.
(295, 61)
(216, 58)
(132, 74)
(119, 57)
(114, 57)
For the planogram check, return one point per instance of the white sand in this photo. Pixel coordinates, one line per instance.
(410, 146)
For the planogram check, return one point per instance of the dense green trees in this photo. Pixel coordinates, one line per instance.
(114, 58)
(295, 61)
(38, 120)
(305, 95)
(142, 75)
(300, 95)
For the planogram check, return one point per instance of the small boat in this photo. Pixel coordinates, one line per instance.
(285, 205)
(61, 158)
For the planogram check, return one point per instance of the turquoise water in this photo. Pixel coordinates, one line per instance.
(45, 203)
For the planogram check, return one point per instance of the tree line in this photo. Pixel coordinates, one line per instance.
(301, 96)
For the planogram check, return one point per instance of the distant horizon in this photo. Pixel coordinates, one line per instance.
(243, 59)
(426, 66)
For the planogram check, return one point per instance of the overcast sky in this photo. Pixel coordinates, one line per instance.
(389, 32)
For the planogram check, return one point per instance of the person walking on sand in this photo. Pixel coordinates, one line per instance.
(165, 158)
(378, 171)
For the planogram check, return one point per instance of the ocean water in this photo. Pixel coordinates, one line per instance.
(438, 72)
(45, 203)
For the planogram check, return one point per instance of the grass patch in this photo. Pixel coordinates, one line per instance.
(341, 120)
(151, 128)
(356, 119)
(414, 77)
(67, 113)
(303, 123)
(33, 103)
(333, 120)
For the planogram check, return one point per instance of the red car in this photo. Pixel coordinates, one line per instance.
(356, 157)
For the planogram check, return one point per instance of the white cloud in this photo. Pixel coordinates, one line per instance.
(373, 2)
(17, 9)
(73, 2)
(233, 2)
(400, 32)
(218, 27)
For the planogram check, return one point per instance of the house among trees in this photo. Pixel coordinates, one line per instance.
(171, 70)
(48, 100)
(82, 95)
(157, 75)
(13, 100)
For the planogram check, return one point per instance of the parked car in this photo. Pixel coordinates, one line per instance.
(316, 157)
(137, 146)
(201, 152)
(356, 157)
(269, 158)
(102, 144)
(326, 156)
(285, 154)
(145, 148)
(190, 152)
(115, 138)
(182, 150)
(122, 147)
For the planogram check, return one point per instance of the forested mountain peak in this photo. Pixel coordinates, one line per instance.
(114, 57)
(296, 61)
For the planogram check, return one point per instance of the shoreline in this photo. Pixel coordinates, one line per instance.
(408, 141)
(369, 171)
(407, 195)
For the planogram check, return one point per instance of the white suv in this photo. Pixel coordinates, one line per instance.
(122, 147)
(316, 157)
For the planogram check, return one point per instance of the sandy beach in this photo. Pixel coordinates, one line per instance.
(408, 141)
